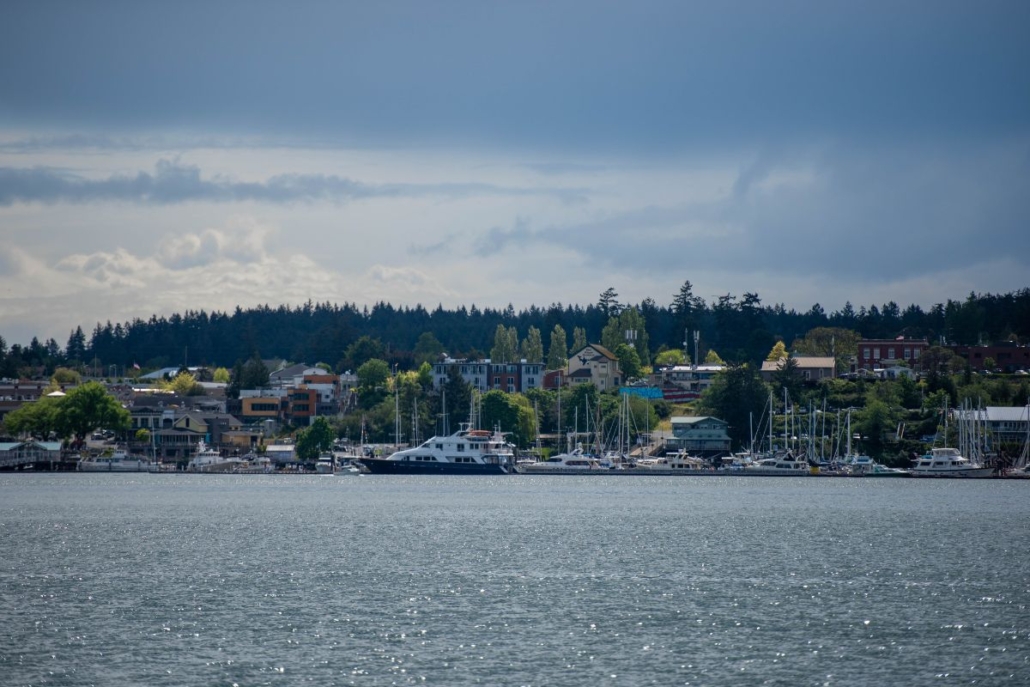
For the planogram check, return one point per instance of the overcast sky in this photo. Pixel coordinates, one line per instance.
(159, 157)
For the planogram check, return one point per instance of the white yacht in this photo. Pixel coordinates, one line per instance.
(785, 464)
(119, 461)
(466, 452)
(948, 462)
(576, 462)
(679, 463)
(209, 460)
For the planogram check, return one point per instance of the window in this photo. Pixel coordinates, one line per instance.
(876, 353)
(866, 352)
(915, 353)
(907, 353)
(890, 353)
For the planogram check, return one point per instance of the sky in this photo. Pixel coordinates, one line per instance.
(164, 157)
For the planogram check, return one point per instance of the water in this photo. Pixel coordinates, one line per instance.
(377, 580)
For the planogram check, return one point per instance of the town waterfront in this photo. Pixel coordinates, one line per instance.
(129, 579)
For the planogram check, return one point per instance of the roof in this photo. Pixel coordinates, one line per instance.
(1001, 413)
(805, 362)
(601, 350)
(682, 420)
(12, 445)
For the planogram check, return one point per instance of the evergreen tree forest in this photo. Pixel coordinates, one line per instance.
(739, 328)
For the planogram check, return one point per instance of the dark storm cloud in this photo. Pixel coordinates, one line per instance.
(647, 76)
(173, 183)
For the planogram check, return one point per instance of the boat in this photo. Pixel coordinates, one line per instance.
(119, 461)
(575, 462)
(678, 463)
(948, 462)
(786, 464)
(864, 466)
(465, 452)
(209, 460)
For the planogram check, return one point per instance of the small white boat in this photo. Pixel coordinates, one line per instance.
(948, 462)
(864, 466)
(119, 461)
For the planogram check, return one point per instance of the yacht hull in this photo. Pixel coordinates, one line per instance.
(384, 466)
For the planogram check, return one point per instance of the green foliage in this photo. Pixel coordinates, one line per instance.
(533, 346)
(736, 395)
(627, 327)
(184, 384)
(142, 435)
(670, 357)
(512, 413)
(36, 418)
(608, 302)
(315, 439)
(579, 340)
(629, 361)
(372, 382)
(89, 407)
(875, 421)
(787, 376)
(503, 351)
(557, 352)
(64, 375)
(712, 358)
(428, 348)
(778, 352)
(221, 375)
(361, 351)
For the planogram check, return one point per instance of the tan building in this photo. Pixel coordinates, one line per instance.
(810, 368)
(595, 365)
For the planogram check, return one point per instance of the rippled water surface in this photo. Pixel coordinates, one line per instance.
(379, 580)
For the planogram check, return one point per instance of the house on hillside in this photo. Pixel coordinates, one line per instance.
(810, 368)
(595, 364)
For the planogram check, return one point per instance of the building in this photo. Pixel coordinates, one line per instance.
(595, 365)
(475, 372)
(1007, 356)
(810, 368)
(1006, 425)
(876, 353)
(14, 393)
(700, 436)
(484, 375)
(682, 383)
(23, 453)
(512, 377)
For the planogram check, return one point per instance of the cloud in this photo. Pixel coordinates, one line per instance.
(173, 182)
(838, 212)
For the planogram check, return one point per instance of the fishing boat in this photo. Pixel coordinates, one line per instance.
(465, 452)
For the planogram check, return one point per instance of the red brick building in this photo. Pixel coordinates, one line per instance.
(1007, 357)
(878, 353)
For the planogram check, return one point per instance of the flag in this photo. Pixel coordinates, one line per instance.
(135, 366)
(900, 338)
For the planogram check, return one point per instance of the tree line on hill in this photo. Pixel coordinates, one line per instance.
(739, 328)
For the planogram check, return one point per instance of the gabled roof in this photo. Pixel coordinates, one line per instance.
(805, 362)
(694, 420)
(598, 349)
